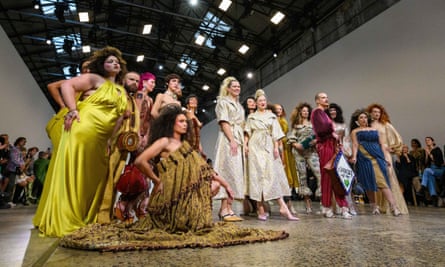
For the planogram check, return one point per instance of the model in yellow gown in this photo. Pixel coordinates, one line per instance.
(80, 164)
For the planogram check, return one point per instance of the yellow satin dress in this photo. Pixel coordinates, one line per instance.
(75, 183)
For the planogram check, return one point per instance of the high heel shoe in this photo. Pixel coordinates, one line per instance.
(230, 217)
(289, 216)
(262, 217)
(122, 214)
(396, 212)
(376, 210)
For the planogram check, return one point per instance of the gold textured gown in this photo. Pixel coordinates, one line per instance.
(288, 158)
(393, 140)
(74, 185)
(179, 217)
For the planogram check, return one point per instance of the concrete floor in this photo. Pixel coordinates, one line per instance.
(414, 240)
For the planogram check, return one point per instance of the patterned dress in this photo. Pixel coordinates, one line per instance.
(77, 175)
(267, 178)
(301, 133)
(179, 217)
(229, 166)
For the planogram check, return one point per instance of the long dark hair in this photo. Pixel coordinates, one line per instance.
(163, 125)
(354, 117)
(339, 118)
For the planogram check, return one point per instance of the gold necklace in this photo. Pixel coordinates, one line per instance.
(173, 95)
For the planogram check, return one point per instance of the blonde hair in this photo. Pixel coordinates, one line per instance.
(260, 92)
(226, 84)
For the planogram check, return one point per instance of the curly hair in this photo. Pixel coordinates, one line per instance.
(98, 58)
(339, 118)
(295, 117)
(354, 118)
(384, 117)
(163, 126)
(226, 83)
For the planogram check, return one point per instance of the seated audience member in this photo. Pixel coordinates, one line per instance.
(4, 158)
(16, 165)
(406, 171)
(22, 181)
(40, 168)
(434, 168)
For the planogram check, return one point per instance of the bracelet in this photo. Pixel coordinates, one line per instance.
(70, 114)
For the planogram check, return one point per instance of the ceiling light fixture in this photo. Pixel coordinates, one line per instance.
(183, 65)
(243, 49)
(147, 29)
(83, 17)
(205, 87)
(200, 39)
(277, 18)
(86, 49)
(249, 75)
(36, 4)
(221, 71)
(48, 41)
(193, 2)
(140, 58)
(225, 4)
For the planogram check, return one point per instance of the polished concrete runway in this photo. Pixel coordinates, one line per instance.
(417, 239)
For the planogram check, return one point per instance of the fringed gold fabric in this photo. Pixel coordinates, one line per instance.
(179, 217)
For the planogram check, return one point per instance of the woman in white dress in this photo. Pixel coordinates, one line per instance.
(267, 179)
(229, 145)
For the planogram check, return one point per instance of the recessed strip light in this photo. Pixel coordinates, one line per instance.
(205, 87)
(221, 71)
(83, 17)
(243, 49)
(147, 29)
(200, 39)
(140, 58)
(225, 4)
(86, 49)
(277, 18)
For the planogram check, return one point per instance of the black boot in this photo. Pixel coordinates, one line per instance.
(421, 192)
(435, 201)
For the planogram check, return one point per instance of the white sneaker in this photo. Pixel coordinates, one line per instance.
(346, 215)
(12, 204)
(328, 212)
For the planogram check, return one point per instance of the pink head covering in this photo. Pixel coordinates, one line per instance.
(145, 77)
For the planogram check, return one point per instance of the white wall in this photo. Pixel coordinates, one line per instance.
(397, 59)
(24, 110)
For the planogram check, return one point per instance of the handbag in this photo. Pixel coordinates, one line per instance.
(132, 181)
(340, 172)
(129, 140)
